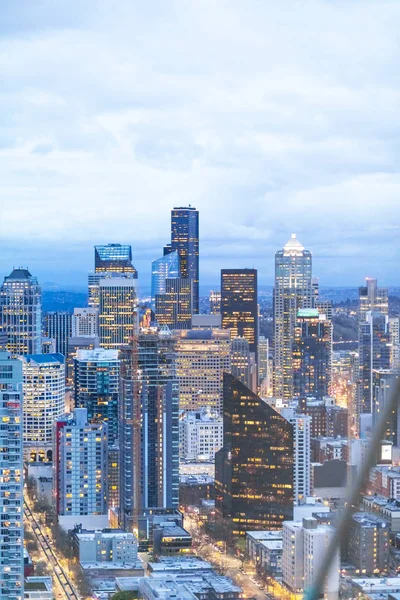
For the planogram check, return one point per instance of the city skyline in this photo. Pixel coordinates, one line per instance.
(250, 128)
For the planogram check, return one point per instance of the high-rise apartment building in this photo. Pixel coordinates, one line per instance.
(239, 307)
(11, 474)
(166, 267)
(202, 357)
(394, 340)
(301, 452)
(97, 387)
(372, 299)
(58, 326)
(149, 426)
(117, 311)
(374, 353)
(303, 549)
(264, 366)
(85, 342)
(293, 291)
(254, 468)
(80, 469)
(312, 354)
(368, 544)
(174, 307)
(85, 322)
(185, 240)
(44, 402)
(384, 383)
(21, 312)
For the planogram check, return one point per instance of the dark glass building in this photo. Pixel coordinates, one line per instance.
(174, 307)
(116, 258)
(149, 426)
(185, 240)
(239, 310)
(58, 326)
(311, 354)
(254, 468)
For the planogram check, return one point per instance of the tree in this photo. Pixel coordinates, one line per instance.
(129, 595)
(41, 568)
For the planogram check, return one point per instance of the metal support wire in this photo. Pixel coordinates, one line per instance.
(352, 499)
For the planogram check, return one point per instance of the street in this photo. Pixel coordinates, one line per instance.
(61, 581)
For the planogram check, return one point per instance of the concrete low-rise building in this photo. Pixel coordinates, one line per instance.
(254, 540)
(107, 545)
(38, 588)
(271, 557)
(389, 510)
(367, 545)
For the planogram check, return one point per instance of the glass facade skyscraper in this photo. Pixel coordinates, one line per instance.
(239, 309)
(166, 267)
(185, 240)
(254, 468)
(293, 291)
(11, 474)
(116, 258)
(174, 307)
(118, 318)
(21, 313)
(58, 326)
(149, 421)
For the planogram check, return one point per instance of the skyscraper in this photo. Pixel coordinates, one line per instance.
(312, 357)
(166, 267)
(80, 469)
(243, 363)
(202, 357)
(264, 366)
(111, 260)
(44, 402)
(174, 307)
(149, 426)
(215, 302)
(11, 473)
(239, 307)
(372, 299)
(97, 387)
(185, 240)
(58, 326)
(117, 312)
(21, 312)
(254, 469)
(293, 291)
(374, 353)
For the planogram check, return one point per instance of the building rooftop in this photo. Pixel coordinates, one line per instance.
(19, 274)
(174, 531)
(293, 246)
(89, 535)
(264, 535)
(97, 354)
(367, 520)
(179, 564)
(272, 544)
(44, 359)
(110, 566)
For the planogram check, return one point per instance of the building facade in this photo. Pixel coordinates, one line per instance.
(85, 322)
(11, 473)
(174, 307)
(202, 357)
(118, 318)
(58, 326)
(239, 308)
(200, 434)
(110, 260)
(254, 468)
(185, 241)
(293, 291)
(44, 402)
(97, 387)
(166, 267)
(21, 312)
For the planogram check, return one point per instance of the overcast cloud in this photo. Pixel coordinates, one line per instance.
(270, 117)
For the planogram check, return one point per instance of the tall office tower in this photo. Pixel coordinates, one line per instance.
(111, 260)
(85, 342)
(264, 364)
(166, 267)
(97, 387)
(200, 434)
(80, 469)
(44, 402)
(303, 549)
(174, 307)
(215, 303)
(202, 357)
(243, 364)
(372, 299)
(239, 307)
(58, 326)
(384, 383)
(185, 240)
(21, 312)
(117, 313)
(312, 354)
(302, 453)
(374, 353)
(149, 426)
(394, 339)
(254, 468)
(85, 322)
(11, 473)
(293, 291)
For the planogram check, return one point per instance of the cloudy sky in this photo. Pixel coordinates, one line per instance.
(270, 117)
